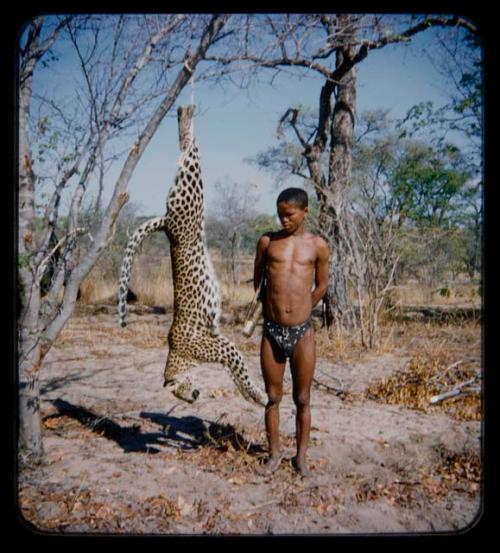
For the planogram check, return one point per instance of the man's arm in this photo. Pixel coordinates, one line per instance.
(321, 271)
(260, 259)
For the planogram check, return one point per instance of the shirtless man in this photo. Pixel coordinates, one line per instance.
(289, 261)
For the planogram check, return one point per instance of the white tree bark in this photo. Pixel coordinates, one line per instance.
(40, 323)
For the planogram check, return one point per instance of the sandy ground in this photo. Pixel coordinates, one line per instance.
(122, 455)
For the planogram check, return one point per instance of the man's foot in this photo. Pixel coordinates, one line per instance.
(301, 467)
(270, 465)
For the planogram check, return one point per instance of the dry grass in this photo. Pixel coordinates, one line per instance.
(434, 338)
(441, 357)
(237, 298)
(340, 346)
(453, 473)
(414, 293)
(424, 378)
(97, 337)
(97, 288)
(151, 281)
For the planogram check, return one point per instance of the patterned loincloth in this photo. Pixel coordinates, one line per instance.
(286, 337)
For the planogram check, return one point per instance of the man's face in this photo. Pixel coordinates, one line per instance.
(291, 216)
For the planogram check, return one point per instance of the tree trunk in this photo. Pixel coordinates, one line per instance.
(29, 417)
(28, 301)
(338, 304)
(37, 330)
(235, 258)
(120, 195)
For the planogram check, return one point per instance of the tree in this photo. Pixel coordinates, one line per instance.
(458, 56)
(132, 70)
(426, 185)
(405, 199)
(234, 210)
(256, 228)
(330, 46)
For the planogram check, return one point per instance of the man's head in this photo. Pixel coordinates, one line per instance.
(292, 206)
(295, 196)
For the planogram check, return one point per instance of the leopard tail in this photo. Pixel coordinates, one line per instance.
(142, 232)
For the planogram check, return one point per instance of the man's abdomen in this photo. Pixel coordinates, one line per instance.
(288, 308)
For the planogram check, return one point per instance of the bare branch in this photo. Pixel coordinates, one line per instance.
(33, 50)
(142, 60)
(52, 209)
(45, 262)
(293, 122)
(462, 388)
(405, 36)
(274, 63)
(120, 196)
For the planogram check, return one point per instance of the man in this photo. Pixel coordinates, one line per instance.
(290, 261)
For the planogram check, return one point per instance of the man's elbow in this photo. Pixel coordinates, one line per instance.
(322, 290)
(319, 292)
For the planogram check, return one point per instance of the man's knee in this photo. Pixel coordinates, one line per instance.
(274, 395)
(302, 399)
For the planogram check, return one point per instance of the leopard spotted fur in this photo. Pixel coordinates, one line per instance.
(194, 335)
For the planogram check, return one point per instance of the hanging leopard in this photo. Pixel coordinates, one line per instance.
(194, 335)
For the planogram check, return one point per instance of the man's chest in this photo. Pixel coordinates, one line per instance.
(291, 252)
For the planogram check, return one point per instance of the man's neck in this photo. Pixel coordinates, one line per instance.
(299, 232)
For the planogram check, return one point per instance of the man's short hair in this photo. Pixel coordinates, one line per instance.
(295, 196)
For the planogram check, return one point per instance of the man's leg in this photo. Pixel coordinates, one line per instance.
(302, 365)
(273, 369)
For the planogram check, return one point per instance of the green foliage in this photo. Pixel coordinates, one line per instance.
(423, 188)
(219, 232)
(426, 185)
(459, 60)
(23, 260)
(255, 228)
(430, 255)
(46, 139)
(444, 292)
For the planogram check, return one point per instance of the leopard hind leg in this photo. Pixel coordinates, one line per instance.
(218, 349)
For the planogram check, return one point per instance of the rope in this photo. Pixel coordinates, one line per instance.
(192, 89)
(193, 104)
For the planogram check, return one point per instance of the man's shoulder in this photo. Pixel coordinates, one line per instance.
(265, 239)
(316, 238)
(320, 243)
(269, 235)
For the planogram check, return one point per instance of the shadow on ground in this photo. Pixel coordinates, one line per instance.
(187, 432)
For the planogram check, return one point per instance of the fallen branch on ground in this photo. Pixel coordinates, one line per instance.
(336, 391)
(460, 389)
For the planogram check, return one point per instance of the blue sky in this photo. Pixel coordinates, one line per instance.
(232, 125)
